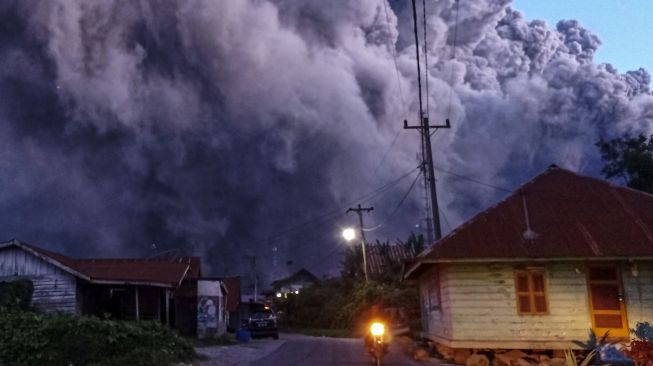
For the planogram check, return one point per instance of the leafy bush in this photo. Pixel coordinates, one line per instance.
(31, 339)
(644, 331)
(641, 348)
(16, 295)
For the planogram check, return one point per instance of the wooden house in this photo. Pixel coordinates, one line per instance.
(154, 289)
(561, 255)
(294, 283)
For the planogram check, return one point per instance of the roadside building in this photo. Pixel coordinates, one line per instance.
(294, 283)
(562, 254)
(163, 289)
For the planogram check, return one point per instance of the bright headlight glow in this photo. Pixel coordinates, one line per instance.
(377, 329)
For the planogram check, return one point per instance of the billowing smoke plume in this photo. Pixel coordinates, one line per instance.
(213, 126)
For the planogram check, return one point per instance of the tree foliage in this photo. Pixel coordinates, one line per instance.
(630, 158)
(338, 303)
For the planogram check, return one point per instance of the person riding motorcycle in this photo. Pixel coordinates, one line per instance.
(374, 314)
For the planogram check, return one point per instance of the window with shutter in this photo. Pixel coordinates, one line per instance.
(530, 291)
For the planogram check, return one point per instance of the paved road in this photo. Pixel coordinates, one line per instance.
(317, 351)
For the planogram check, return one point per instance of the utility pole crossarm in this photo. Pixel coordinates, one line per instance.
(446, 124)
(425, 129)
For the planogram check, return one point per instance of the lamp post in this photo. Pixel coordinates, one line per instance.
(350, 234)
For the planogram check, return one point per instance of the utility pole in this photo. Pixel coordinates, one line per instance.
(254, 277)
(359, 210)
(425, 129)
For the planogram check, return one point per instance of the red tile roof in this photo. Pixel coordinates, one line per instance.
(158, 271)
(573, 216)
(134, 270)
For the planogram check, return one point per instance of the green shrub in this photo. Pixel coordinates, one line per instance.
(31, 339)
(16, 295)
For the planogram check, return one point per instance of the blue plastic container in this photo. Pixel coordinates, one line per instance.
(243, 335)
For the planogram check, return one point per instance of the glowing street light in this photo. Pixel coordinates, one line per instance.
(349, 234)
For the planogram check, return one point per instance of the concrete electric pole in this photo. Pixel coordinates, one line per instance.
(359, 210)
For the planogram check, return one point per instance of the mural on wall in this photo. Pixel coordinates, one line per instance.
(210, 309)
(207, 312)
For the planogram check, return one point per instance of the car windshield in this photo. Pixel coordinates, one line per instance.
(262, 315)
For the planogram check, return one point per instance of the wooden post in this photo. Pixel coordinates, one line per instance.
(158, 306)
(167, 307)
(138, 315)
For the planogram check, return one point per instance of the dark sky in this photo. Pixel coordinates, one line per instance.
(229, 128)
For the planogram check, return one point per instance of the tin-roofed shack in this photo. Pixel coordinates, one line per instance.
(163, 289)
(562, 254)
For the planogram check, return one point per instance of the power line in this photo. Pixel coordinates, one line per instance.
(453, 58)
(445, 220)
(378, 165)
(473, 180)
(426, 59)
(392, 49)
(396, 209)
(330, 215)
(425, 129)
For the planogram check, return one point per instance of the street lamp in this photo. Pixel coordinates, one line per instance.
(350, 234)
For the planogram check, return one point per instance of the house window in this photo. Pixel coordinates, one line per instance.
(530, 287)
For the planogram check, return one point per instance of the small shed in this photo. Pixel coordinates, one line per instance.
(562, 254)
(212, 315)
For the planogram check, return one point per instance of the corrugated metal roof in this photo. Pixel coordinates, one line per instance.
(134, 270)
(379, 256)
(158, 271)
(572, 216)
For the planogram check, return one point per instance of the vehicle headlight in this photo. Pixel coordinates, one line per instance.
(377, 329)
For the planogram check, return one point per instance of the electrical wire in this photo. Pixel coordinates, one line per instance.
(393, 51)
(330, 215)
(453, 58)
(426, 59)
(463, 177)
(396, 209)
(385, 155)
(445, 220)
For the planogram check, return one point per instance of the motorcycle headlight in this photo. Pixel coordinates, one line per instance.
(377, 329)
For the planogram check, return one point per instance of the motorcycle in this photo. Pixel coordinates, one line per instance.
(378, 346)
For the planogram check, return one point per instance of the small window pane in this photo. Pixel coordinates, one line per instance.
(538, 282)
(540, 304)
(524, 303)
(522, 282)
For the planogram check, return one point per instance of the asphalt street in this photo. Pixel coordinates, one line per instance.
(316, 351)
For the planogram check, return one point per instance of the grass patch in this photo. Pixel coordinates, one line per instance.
(316, 332)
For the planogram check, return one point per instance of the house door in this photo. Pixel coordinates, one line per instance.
(607, 306)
